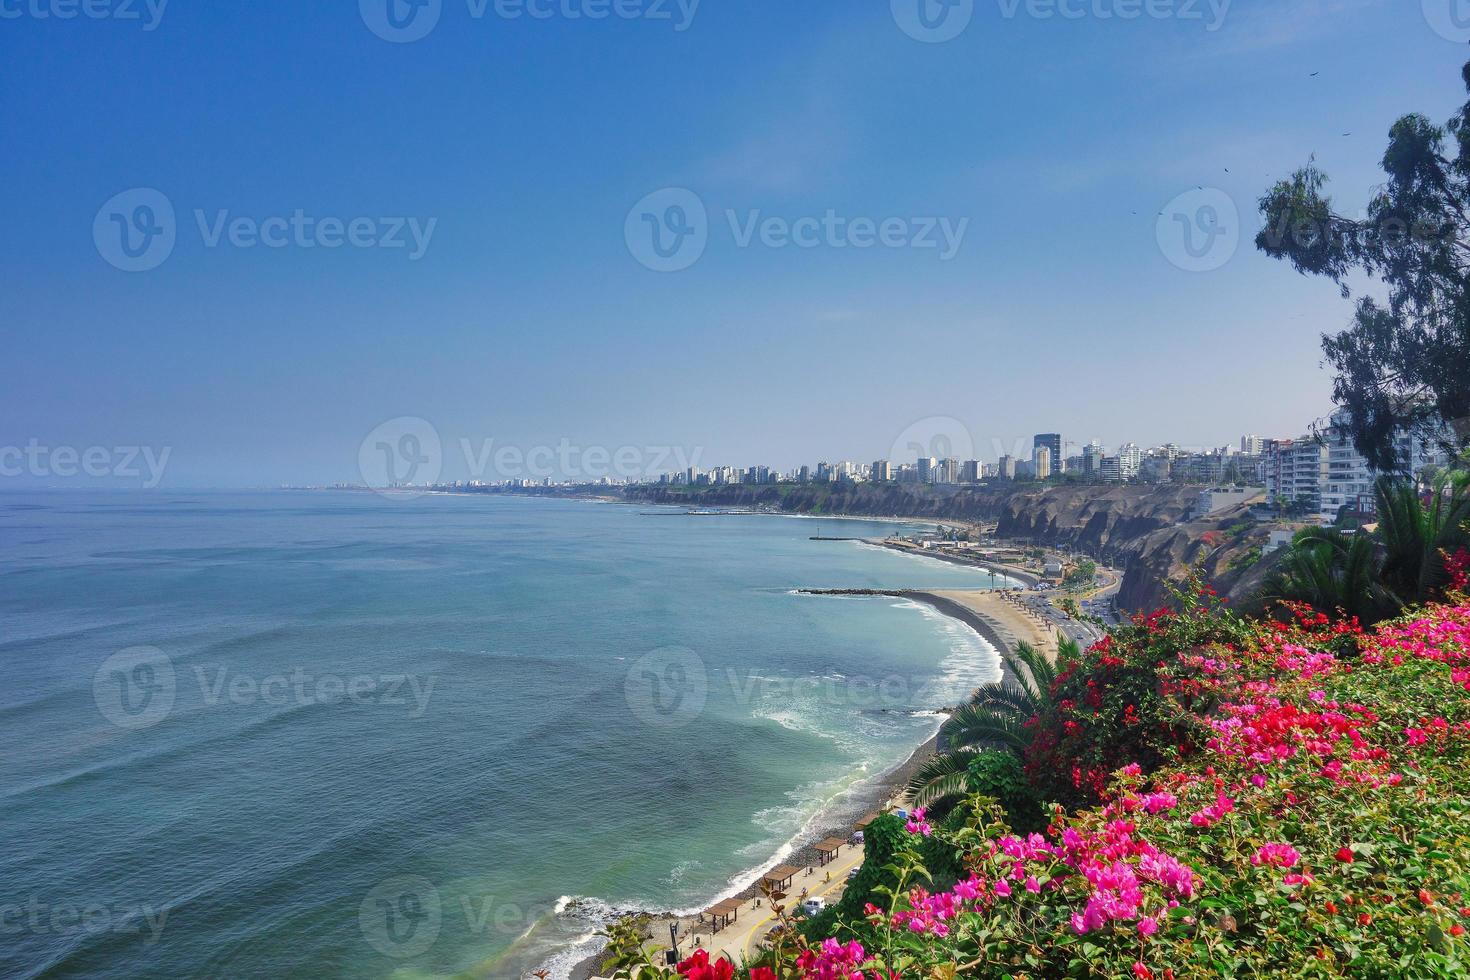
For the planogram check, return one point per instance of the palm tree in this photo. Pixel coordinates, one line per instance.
(1375, 577)
(1330, 570)
(995, 718)
(1416, 535)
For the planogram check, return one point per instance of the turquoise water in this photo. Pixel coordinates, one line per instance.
(345, 735)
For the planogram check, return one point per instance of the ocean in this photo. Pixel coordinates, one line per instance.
(335, 734)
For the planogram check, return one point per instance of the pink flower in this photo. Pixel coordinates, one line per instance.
(1276, 856)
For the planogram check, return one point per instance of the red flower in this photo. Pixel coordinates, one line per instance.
(1345, 855)
(762, 973)
(1457, 930)
(1364, 919)
(698, 967)
(1425, 897)
(1331, 907)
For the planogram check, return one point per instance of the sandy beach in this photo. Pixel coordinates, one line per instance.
(1002, 622)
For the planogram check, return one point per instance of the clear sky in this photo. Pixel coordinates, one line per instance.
(529, 311)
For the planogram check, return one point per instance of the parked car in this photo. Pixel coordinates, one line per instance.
(813, 906)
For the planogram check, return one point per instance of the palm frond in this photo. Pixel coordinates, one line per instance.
(974, 726)
(943, 776)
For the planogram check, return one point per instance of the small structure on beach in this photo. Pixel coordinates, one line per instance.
(721, 915)
(779, 878)
(828, 850)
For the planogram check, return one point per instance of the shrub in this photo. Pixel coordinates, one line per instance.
(1317, 825)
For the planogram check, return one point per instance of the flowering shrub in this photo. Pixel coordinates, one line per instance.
(1301, 808)
(1133, 699)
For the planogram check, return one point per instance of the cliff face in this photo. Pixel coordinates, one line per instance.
(1107, 521)
(1228, 548)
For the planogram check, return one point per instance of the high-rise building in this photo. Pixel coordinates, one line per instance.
(928, 469)
(1041, 458)
(1006, 470)
(1111, 469)
(1349, 479)
(972, 472)
(1295, 472)
(1052, 441)
(1252, 445)
(882, 472)
(1092, 457)
(1130, 461)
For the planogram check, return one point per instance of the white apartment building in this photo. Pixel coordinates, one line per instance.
(1296, 469)
(1349, 481)
(1130, 461)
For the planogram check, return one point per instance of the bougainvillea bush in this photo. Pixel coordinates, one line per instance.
(1301, 807)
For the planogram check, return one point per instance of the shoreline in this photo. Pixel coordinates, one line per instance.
(882, 792)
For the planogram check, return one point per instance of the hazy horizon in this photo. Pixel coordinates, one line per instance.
(250, 238)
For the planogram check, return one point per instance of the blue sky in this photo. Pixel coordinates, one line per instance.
(529, 320)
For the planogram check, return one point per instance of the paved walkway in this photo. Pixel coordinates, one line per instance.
(743, 937)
